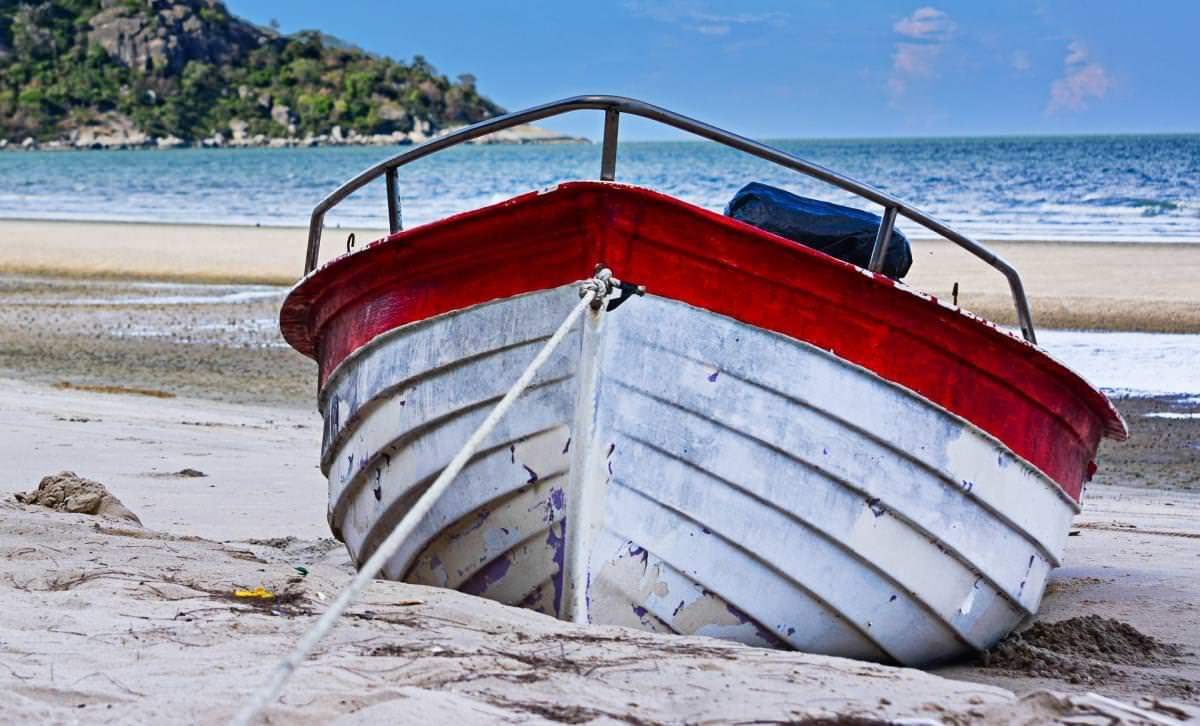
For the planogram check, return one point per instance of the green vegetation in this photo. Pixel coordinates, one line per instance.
(189, 68)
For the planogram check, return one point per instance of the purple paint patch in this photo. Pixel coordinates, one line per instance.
(531, 599)
(567, 447)
(876, 508)
(639, 611)
(768, 637)
(558, 545)
(486, 576)
(532, 474)
(713, 377)
(558, 498)
(479, 520)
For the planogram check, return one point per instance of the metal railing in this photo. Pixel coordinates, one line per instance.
(613, 107)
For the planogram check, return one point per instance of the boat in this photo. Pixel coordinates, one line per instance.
(769, 445)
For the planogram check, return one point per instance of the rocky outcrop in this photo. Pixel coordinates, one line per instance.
(187, 68)
(111, 131)
(117, 132)
(164, 36)
(528, 134)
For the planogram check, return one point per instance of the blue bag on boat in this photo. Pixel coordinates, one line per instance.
(842, 232)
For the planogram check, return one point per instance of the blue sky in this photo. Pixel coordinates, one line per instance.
(808, 68)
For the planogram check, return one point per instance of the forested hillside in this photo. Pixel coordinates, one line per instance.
(142, 72)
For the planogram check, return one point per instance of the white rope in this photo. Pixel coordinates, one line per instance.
(593, 289)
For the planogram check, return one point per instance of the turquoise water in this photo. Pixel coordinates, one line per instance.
(1108, 188)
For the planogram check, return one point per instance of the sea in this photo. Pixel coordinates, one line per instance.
(1120, 188)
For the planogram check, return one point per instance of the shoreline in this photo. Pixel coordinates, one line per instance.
(1070, 285)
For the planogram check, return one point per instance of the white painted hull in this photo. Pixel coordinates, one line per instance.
(748, 485)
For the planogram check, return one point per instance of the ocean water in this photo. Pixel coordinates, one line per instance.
(1103, 188)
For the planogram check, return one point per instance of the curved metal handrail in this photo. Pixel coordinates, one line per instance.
(613, 106)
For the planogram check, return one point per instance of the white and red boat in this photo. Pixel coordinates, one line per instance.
(771, 445)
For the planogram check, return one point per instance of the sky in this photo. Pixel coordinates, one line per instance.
(805, 68)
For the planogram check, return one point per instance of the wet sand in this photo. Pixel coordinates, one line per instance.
(1148, 287)
(109, 622)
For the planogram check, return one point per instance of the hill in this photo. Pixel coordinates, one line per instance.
(114, 73)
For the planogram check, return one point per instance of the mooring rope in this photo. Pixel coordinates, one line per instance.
(591, 290)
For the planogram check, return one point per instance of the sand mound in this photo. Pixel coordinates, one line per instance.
(68, 492)
(1080, 650)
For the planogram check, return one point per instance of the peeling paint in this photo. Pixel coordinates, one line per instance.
(488, 575)
(557, 543)
(876, 508)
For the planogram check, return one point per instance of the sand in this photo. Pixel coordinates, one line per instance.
(177, 252)
(1149, 287)
(105, 621)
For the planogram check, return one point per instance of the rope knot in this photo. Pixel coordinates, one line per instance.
(599, 285)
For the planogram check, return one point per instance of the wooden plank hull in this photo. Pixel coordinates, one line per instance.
(773, 446)
(754, 487)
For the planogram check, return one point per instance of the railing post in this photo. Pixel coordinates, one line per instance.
(608, 155)
(395, 223)
(882, 239)
(314, 242)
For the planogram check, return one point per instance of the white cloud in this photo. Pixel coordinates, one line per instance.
(926, 23)
(911, 59)
(1076, 53)
(693, 15)
(1020, 60)
(1083, 80)
(925, 33)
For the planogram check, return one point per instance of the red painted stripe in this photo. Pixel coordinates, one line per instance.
(1040, 409)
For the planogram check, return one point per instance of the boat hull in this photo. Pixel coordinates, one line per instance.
(740, 483)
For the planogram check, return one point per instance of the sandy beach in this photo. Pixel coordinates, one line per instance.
(122, 368)
(1111, 286)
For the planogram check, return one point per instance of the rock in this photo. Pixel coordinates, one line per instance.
(110, 131)
(28, 143)
(393, 115)
(167, 36)
(237, 128)
(278, 143)
(282, 115)
(336, 134)
(244, 91)
(68, 492)
(3, 143)
(171, 142)
(528, 134)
